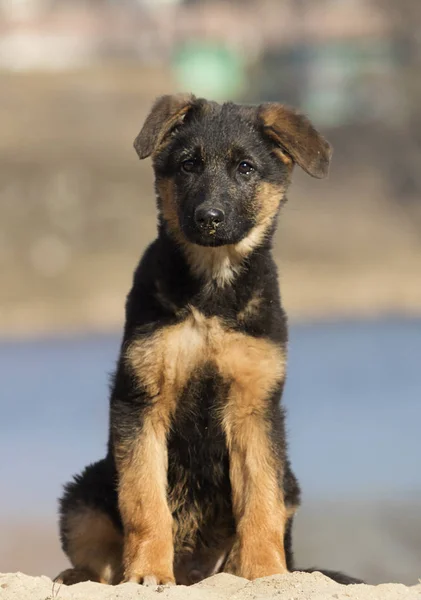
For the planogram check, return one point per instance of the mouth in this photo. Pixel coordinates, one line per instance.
(213, 234)
(205, 238)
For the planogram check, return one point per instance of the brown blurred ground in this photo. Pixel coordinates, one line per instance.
(77, 209)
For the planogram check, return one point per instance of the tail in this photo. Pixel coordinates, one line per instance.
(335, 575)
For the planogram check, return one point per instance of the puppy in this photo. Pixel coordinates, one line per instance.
(197, 478)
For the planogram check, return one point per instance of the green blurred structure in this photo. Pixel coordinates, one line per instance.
(209, 69)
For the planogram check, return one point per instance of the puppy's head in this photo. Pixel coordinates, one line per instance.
(222, 170)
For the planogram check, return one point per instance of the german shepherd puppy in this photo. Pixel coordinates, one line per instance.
(197, 478)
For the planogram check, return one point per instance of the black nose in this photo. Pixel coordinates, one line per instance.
(209, 217)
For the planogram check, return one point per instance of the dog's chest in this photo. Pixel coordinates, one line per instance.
(166, 361)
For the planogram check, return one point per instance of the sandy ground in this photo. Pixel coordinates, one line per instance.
(297, 586)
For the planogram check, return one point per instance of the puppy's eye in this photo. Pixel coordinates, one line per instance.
(245, 168)
(188, 165)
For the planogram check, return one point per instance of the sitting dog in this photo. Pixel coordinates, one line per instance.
(197, 478)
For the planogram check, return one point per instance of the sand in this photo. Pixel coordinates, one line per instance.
(297, 586)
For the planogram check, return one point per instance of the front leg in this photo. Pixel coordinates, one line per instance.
(140, 450)
(255, 439)
(258, 503)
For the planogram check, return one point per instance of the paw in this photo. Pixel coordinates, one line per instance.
(150, 580)
(149, 561)
(72, 576)
(256, 562)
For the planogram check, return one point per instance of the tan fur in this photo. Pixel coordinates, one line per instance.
(95, 547)
(258, 504)
(147, 520)
(165, 360)
(163, 363)
(268, 199)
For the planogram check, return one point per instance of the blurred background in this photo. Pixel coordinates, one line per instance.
(77, 209)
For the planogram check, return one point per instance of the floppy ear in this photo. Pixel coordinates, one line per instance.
(294, 133)
(166, 113)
